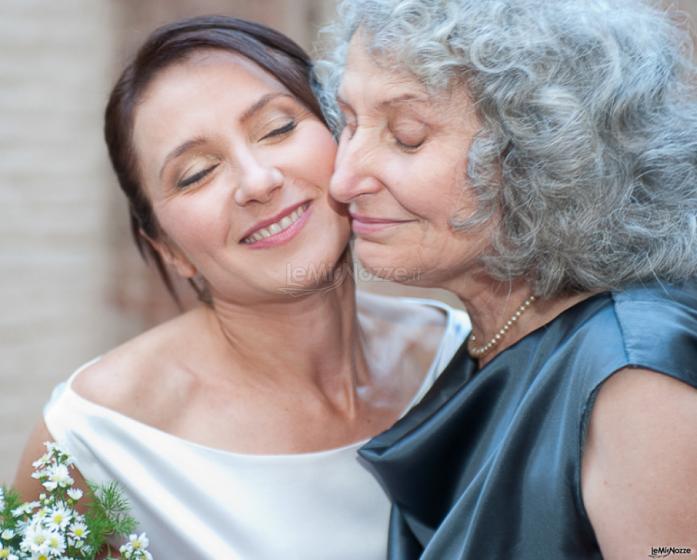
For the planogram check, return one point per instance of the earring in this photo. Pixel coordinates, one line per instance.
(201, 288)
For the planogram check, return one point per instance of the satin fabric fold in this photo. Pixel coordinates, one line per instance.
(488, 464)
(197, 502)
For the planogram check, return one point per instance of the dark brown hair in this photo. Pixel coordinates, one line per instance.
(274, 52)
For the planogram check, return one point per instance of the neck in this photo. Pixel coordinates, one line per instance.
(310, 341)
(491, 304)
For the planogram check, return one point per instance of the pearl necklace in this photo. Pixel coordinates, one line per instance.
(480, 351)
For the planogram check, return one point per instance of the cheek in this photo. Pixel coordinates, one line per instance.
(397, 262)
(438, 192)
(315, 152)
(194, 223)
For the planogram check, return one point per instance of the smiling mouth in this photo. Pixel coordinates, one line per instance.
(277, 227)
(369, 220)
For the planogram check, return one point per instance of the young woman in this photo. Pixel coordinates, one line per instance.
(233, 428)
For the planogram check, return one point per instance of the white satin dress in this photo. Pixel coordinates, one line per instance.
(197, 502)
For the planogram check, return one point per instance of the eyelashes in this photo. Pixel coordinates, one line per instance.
(407, 138)
(196, 177)
(349, 130)
(285, 129)
(409, 147)
(276, 133)
(409, 135)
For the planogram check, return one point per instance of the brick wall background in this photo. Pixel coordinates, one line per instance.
(55, 60)
(72, 285)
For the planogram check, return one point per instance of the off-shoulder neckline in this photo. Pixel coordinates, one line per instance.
(125, 419)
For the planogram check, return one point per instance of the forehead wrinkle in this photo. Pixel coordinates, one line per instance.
(365, 66)
(406, 98)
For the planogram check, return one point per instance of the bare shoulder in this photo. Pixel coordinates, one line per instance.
(145, 377)
(638, 477)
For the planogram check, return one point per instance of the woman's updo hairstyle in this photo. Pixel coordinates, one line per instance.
(272, 51)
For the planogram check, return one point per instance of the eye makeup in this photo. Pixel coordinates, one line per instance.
(285, 129)
(195, 177)
(273, 122)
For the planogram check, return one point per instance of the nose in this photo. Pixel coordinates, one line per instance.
(355, 171)
(257, 181)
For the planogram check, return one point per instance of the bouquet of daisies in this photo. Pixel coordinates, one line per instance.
(51, 527)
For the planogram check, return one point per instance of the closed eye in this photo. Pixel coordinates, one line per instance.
(285, 129)
(409, 147)
(196, 177)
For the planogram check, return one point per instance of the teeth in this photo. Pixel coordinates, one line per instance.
(277, 227)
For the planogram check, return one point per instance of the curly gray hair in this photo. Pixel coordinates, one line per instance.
(588, 145)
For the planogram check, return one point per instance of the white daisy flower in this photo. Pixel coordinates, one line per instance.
(42, 461)
(58, 455)
(6, 553)
(58, 476)
(22, 525)
(75, 494)
(138, 542)
(7, 534)
(55, 543)
(59, 517)
(35, 539)
(52, 447)
(24, 509)
(78, 531)
(39, 515)
(135, 547)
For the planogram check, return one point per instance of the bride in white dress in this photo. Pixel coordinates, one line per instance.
(233, 428)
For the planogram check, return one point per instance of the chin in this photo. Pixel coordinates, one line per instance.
(321, 270)
(384, 262)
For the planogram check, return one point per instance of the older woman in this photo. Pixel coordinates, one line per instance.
(233, 428)
(539, 159)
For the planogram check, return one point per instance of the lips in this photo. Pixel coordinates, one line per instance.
(376, 219)
(276, 224)
(367, 224)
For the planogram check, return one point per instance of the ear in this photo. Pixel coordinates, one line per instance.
(172, 256)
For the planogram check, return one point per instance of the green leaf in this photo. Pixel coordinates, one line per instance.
(107, 514)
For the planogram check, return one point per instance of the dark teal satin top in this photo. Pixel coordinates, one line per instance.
(488, 465)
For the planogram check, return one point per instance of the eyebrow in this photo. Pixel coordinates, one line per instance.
(179, 150)
(261, 103)
(405, 98)
(199, 141)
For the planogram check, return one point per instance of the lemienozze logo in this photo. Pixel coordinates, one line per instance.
(663, 551)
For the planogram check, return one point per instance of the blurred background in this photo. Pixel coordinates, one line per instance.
(72, 283)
